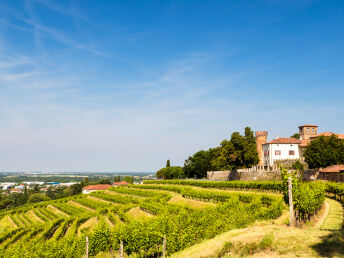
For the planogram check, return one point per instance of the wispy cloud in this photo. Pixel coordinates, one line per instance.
(49, 32)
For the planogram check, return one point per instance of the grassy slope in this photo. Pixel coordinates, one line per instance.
(288, 242)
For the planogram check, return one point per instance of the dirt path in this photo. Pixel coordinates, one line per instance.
(287, 242)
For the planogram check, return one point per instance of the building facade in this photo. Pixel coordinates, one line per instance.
(287, 148)
(280, 149)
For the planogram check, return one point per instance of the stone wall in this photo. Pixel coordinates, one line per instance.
(263, 175)
(314, 174)
(230, 175)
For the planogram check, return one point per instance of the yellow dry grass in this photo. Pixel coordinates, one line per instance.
(109, 222)
(178, 199)
(6, 224)
(137, 213)
(57, 211)
(288, 242)
(88, 226)
(35, 219)
(98, 200)
(79, 205)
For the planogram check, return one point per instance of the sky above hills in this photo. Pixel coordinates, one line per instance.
(126, 85)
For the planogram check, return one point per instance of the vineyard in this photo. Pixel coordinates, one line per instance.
(139, 216)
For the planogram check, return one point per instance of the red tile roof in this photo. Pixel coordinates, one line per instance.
(285, 141)
(97, 187)
(308, 126)
(332, 169)
(120, 183)
(328, 134)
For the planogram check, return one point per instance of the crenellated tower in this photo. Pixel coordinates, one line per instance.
(261, 138)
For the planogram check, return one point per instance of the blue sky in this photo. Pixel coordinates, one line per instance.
(125, 85)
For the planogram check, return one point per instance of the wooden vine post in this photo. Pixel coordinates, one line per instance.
(87, 243)
(164, 247)
(291, 206)
(121, 250)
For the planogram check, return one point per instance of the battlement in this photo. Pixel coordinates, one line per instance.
(261, 133)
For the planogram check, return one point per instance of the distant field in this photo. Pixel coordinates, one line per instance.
(140, 216)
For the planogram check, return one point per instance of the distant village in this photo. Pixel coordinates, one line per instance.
(20, 187)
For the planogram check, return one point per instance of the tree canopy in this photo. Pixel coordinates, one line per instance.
(324, 151)
(295, 135)
(198, 164)
(238, 152)
(173, 172)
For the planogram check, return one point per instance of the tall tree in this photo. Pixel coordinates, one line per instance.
(196, 166)
(250, 149)
(239, 152)
(324, 151)
(168, 163)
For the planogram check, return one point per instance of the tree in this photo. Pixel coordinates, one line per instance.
(297, 165)
(295, 135)
(170, 173)
(250, 149)
(199, 164)
(128, 179)
(85, 182)
(239, 152)
(37, 197)
(76, 189)
(36, 188)
(117, 178)
(324, 151)
(104, 182)
(168, 163)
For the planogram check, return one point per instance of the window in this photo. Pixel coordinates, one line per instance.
(266, 153)
(277, 152)
(291, 153)
(312, 130)
(307, 130)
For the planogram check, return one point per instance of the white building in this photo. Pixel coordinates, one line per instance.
(281, 149)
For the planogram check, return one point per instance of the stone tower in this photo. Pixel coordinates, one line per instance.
(261, 138)
(306, 131)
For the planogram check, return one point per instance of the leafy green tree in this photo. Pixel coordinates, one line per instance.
(250, 152)
(37, 197)
(117, 178)
(168, 163)
(36, 188)
(239, 152)
(50, 193)
(173, 172)
(196, 166)
(76, 189)
(86, 181)
(295, 135)
(297, 165)
(128, 179)
(324, 151)
(104, 182)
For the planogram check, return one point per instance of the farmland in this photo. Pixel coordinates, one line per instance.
(185, 212)
(139, 215)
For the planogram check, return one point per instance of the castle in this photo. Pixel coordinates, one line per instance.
(286, 148)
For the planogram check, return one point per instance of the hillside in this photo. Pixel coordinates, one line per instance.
(141, 215)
